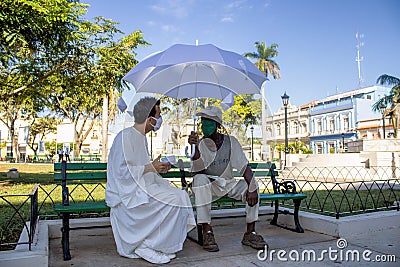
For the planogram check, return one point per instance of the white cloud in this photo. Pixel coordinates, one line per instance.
(151, 23)
(169, 28)
(235, 4)
(176, 8)
(227, 19)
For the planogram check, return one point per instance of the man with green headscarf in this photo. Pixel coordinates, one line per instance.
(215, 158)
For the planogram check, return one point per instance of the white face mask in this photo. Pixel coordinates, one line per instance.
(157, 126)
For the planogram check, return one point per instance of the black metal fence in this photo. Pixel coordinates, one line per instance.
(338, 192)
(343, 191)
(16, 212)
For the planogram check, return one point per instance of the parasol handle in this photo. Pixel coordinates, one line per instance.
(194, 129)
(193, 151)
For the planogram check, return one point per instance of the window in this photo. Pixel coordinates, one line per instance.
(331, 125)
(346, 123)
(319, 127)
(296, 127)
(319, 148)
(278, 130)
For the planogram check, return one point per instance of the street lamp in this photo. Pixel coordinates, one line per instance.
(285, 101)
(343, 141)
(297, 146)
(252, 143)
(382, 108)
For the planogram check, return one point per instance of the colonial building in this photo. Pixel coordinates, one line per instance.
(297, 125)
(334, 120)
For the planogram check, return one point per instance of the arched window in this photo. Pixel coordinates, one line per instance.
(296, 127)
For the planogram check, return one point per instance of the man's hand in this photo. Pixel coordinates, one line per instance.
(193, 138)
(161, 167)
(252, 198)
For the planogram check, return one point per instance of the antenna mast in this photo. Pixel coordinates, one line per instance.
(359, 59)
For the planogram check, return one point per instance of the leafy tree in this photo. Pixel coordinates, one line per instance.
(82, 93)
(391, 101)
(176, 112)
(35, 41)
(39, 128)
(115, 59)
(244, 113)
(51, 148)
(35, 44)
(17, 107)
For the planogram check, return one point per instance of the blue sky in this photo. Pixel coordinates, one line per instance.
(316, 38)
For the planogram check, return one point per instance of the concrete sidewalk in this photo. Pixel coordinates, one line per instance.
(96, 247)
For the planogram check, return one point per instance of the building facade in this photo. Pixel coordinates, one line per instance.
(298, 119)
(334, 120)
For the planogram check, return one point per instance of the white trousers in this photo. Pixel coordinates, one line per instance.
(206, 190)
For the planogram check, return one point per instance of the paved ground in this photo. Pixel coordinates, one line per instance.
(97, 248)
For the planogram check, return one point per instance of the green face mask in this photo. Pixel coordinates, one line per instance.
(208, 127)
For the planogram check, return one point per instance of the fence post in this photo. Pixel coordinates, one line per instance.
(34, 214)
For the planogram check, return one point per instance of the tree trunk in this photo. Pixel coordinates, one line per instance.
(396, 120)
(104, 130)
(14, 141)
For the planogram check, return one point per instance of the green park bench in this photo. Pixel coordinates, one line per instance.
(77, 172)
(91, 172)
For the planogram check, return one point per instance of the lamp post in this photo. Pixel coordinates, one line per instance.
(296, 143)
(252, 143)
(285, 101)
(382, 108)
(343, 141)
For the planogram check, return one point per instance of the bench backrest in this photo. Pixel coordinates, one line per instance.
(98, 171)
(81, 171)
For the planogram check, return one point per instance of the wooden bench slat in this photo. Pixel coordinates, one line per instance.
(82, 166)
(82, 176)
(89, 206)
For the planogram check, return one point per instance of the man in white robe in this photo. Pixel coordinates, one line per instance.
(149, 218)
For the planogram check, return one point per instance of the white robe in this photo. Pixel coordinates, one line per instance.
(145, 209)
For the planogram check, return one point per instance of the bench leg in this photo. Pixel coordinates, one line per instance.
(65, 236)
(297, 202)
(274, 221)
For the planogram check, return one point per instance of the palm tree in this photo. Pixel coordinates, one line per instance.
(267, 65)
(264, 56)
(391, 101)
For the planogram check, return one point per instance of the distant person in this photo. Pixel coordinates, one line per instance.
(67, 153)
(149, 218)
(216, 156)
(60, 153)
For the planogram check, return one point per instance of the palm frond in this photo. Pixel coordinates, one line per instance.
(388, 80)
(386, 101)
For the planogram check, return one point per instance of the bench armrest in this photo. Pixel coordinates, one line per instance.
(286, 187)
